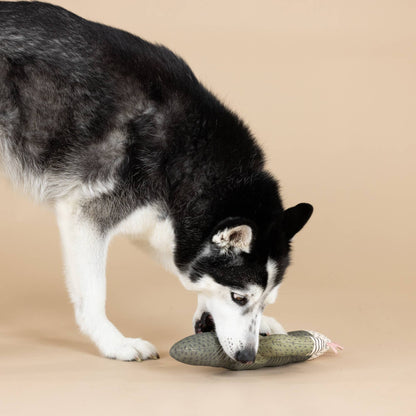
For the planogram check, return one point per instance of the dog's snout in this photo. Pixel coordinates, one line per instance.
(246, 356)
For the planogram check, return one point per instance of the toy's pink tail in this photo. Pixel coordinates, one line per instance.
(322, 345)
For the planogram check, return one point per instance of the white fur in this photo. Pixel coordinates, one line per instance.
(85, 252)
(269, 325)
(153, 232)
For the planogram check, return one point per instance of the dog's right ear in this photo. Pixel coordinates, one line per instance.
(233, 236)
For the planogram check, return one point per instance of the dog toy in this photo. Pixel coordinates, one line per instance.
(274, 350)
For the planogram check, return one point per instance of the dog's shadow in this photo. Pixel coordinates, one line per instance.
(40, 318)
(45, 318)
(41, 338)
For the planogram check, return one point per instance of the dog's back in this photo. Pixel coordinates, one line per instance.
(71, 94)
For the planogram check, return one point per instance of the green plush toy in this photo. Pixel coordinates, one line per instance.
(274, 350)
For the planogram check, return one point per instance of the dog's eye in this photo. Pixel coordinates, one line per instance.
(238, 299)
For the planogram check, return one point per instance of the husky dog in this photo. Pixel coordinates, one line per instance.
(119, 136)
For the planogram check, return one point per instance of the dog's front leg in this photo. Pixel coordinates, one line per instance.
(85, 252)
(270, 326)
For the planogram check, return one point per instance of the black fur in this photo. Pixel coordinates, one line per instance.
(66, 83)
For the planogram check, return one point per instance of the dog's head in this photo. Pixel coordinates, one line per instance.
(238, 274)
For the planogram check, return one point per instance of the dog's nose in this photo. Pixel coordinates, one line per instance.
(246, 356)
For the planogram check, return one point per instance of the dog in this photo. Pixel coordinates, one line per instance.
(118, 136)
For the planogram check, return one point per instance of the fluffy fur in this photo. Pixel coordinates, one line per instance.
(120, 137)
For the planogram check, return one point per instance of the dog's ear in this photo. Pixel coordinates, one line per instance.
(234, 237)
(295, 218)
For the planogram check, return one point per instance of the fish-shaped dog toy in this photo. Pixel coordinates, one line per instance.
(274, 350)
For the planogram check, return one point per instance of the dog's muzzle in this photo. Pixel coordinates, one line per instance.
(206, 324)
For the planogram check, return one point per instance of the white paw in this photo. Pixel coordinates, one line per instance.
(270, 326)
(113, 344)
(130, 349)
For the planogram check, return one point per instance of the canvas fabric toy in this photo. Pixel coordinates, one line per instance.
(274, 350)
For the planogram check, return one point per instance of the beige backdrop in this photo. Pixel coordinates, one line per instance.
(329, 89)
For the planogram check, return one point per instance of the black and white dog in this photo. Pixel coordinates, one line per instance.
(119, 136)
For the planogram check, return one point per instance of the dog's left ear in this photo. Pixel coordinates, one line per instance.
(295, 218)
(235, 237)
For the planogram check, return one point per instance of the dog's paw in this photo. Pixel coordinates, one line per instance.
(130, 349)
(270, 326)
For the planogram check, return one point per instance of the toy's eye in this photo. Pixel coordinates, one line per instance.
(238, 299)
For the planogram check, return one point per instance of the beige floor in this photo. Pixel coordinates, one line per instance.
(329, 89)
